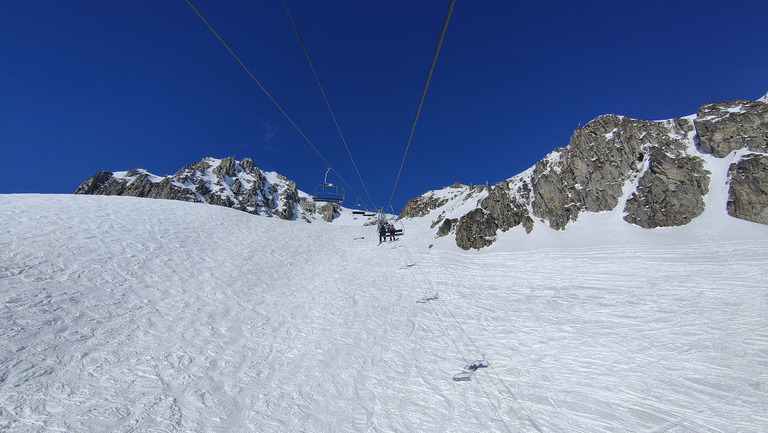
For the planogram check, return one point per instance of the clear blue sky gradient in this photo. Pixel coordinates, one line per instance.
(93, 85)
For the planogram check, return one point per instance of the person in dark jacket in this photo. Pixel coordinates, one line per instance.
(382, 232)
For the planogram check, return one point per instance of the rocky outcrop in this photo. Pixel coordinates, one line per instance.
(475, 230)
(447, 227)
(223, 182)
(288, 195)
(98, 182)
(748, 192)
(227, 167)
(505, 209)
(328, 211)
(590, 173)
(420, 206)
(723, 127)
(499, 210)
(655, 170)
(166, 189)
(670, 193)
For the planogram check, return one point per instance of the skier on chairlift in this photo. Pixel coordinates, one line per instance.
(382, 232)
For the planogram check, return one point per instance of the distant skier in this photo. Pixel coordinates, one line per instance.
(382, 233)
(392, 233)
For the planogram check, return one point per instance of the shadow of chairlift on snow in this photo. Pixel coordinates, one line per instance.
(426, 299)
(466, 374)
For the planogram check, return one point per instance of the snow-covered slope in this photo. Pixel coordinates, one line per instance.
(125, 314)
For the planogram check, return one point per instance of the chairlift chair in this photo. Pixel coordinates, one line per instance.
(328, 192)
(381, 218)
(359, 210)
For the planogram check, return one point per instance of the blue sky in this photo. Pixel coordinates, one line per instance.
(97, 85)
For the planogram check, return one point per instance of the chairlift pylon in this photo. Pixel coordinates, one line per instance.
(328, 192)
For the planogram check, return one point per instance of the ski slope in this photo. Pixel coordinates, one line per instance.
(122, 314)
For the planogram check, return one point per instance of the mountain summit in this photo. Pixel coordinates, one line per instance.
(225, 182)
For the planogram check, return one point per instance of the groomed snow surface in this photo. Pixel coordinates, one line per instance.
(136, 315)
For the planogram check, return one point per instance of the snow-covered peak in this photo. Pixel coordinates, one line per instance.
(221, 181)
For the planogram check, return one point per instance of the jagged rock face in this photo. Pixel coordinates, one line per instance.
(420, 206)
(670, 193)
(499, 210)
(226, 168)
(165, 189)
(506, 210)
(225, 182)
(661, 160)
(328, 211)
(723, 127)
(289, 195)
(475, 230)
(101, 183)
(590, 173)
(748, 192)
(448, 226)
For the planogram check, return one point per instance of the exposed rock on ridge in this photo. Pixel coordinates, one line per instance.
(723, 127)
(590, 173)
(655, 170)
(420, 206)
(225, 182)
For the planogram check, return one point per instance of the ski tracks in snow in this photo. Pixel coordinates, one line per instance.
(607, 339)
(123, 314)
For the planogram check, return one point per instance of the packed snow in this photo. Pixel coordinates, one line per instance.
(137, 315)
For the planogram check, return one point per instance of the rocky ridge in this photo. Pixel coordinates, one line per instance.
(225, 182)
(654, 170)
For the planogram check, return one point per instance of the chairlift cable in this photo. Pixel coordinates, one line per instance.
(434, 60)
(328, 104)
(421, 279)
(424, 93)
(253, 77)
(457, 335)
